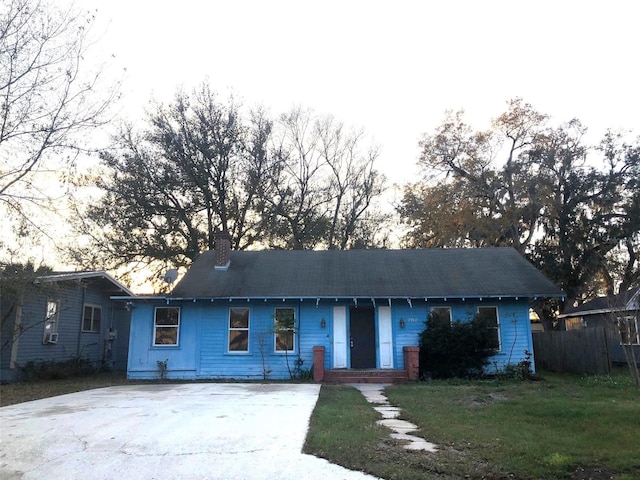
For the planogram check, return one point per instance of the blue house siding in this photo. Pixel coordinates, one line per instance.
(203, 345)
(513, 315)
(143, 355)
(414, 317)
(260, 360)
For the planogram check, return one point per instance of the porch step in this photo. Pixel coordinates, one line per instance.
(347, 375)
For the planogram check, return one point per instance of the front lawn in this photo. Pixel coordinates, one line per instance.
(563, 427)
(12, 393)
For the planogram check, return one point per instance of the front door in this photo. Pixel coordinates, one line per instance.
(362, 331)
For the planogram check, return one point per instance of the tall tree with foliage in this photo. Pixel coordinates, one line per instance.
(200, 166)
(529, 185)
(624, 259)
(49, 101)
(196, 169)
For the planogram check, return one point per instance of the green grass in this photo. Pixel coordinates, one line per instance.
(12, 393)
(564, 427)
(343, 430)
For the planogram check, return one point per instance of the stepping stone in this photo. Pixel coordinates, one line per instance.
(415, 443)
(400, 426)
(388, 412)
(374, 393)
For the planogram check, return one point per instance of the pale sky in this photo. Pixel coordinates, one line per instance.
(392, 68)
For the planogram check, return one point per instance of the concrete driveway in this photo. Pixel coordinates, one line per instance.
(170, 431)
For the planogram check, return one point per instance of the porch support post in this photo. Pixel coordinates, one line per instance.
(318, 364)
(412, 361)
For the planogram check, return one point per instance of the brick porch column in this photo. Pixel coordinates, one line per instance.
(412, 361)
(318, 364)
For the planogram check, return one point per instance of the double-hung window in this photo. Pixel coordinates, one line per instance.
(51, 321)
(285, 329)
(166, 326)
(91, 318)
(489, 316)
(238, 329)
(628, 326)
(441, 315)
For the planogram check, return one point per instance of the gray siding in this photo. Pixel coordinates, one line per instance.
(72, 342)
(6, 334)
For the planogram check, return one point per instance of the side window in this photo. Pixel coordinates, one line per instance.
(92, 318)
(166, 326)
(441, 315)
(239, 329)
(51, 321)
(628, 327)
(573, 323)
(285, 329)
(489, 315)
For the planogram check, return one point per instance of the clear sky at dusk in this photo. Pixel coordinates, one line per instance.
(392, 68)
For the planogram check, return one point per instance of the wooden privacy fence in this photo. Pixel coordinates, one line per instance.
(576, 351)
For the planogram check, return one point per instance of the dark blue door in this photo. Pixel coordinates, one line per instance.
(362, 330)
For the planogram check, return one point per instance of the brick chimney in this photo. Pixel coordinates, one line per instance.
(222, 250)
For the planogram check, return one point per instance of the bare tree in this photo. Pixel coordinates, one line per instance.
(297, 194)
(47, 99)
(323, 185)
(353, 181)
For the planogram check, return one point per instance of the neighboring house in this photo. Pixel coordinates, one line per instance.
(66, 315)
(618, 314)
(361, 307)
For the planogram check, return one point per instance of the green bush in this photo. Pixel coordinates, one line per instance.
(50, 370)
(518, 371)
(455, 349)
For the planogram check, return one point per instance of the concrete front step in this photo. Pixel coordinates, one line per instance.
(366, 376)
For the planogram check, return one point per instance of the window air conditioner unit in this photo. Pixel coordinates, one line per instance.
(51, 338)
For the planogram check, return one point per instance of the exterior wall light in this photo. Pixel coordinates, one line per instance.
(402, 324)
(323, 323)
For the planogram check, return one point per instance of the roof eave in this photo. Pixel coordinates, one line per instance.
(336, 297)
(62, 277)
(597, 311)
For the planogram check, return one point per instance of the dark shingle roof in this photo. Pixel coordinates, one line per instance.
(609, 303)
(434, 273)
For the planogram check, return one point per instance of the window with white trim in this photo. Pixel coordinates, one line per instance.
(166, 326)
(573, 323)
(50, 333)
(628, 327)
(441, 315)
(238, 329)
(490, 317)
(284, 337)
(92, 318)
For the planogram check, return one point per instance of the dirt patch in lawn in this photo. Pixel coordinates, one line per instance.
(483, 400)
(593, 472)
